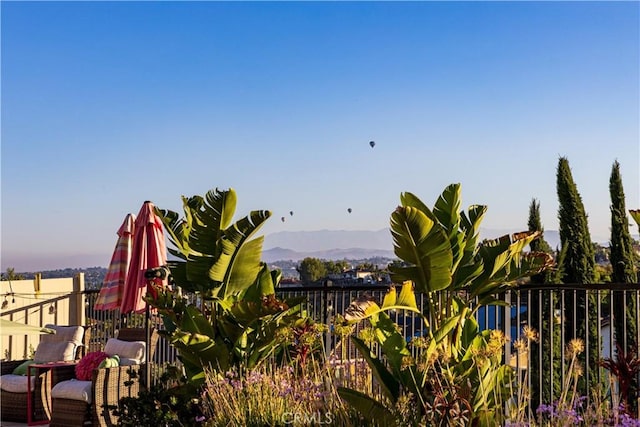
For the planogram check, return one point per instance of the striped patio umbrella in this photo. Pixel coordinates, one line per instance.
(149, 251)
(110, 296)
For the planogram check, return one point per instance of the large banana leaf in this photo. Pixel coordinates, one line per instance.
(223, 204)
(246, 267)
(411, 200)
(265, 284)
(198, 350)
(470, 225)
(211, 216)
(389, 385)
(393, 344)
(194, 321)
(198, 232)
(372, 410)
(177, 231)
(406, 300)
(498, 256)
(239, 261)
(424, 245)
(447, 209)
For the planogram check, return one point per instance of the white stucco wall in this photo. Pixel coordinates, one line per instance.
(57, 301)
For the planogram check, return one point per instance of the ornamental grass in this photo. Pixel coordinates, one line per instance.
(273, 395)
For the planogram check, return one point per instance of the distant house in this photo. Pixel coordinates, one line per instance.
(356, 276)
(345, 275)
(288, 282)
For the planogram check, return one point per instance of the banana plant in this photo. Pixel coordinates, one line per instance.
(444, 259)
(244, 333)
(216, 257)
(235, 317)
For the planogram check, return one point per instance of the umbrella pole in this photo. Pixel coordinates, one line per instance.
(147, 325)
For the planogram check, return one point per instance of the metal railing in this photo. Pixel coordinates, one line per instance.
(601, 315)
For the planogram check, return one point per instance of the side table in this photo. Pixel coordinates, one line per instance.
(60, 371)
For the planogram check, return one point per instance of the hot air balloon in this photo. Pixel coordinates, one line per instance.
(349, 210)
(372, 144)
(291, 213)
(282, 219)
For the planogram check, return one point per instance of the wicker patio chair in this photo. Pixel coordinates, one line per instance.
(13, 402)
(108, 386)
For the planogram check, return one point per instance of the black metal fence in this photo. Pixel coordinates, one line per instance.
(600, 315)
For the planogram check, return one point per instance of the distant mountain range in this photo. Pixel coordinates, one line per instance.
(281, 254)
(344, 244)
(327, 244)
(281, 246)
(323, 240)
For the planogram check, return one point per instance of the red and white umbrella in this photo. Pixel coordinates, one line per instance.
(110, 296)
(149, 251)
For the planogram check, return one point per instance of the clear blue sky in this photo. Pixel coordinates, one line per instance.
(105, 105)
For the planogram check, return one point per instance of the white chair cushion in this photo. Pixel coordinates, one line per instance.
(55, 352)
(15, 383)
(125, 349)
(126, 361)
(63, 334)
(72, 389)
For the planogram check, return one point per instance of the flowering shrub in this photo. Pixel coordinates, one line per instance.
(560, 414)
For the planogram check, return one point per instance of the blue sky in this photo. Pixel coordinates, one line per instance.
(105, 105)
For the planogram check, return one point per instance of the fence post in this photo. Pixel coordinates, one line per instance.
(507, 310)
(326, 316)
(76, 301)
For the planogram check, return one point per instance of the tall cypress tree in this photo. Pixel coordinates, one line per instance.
(542, 304)
(579, 263)
(622, 262)
(578, 267)
(622, 255)
(539, 245)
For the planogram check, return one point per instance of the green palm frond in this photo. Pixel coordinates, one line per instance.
(177, 231)
(408, 199)
(423, 244)
(447, 209)
(210, 217)
(246, 266)
(503, 263)
(470, 224)
(223, 204)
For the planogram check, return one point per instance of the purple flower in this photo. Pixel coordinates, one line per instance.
(628, 421)
(543, 409)
(254, 377)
